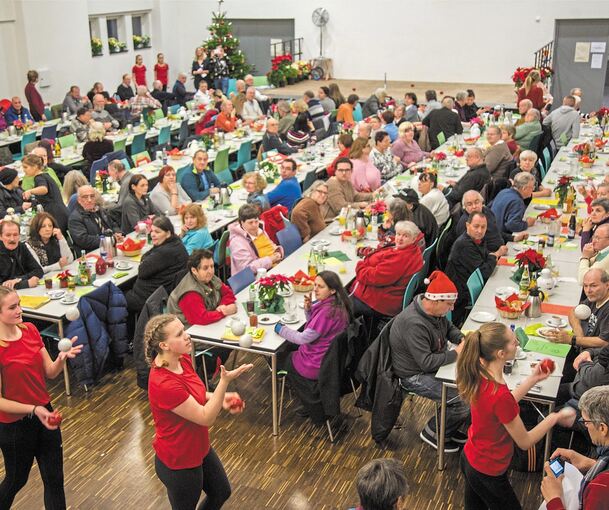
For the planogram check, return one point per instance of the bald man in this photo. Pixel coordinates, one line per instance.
(17, 111)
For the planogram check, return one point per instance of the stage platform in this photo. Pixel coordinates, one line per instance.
(486, 94)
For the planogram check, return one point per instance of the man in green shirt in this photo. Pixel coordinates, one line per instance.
(526, 132)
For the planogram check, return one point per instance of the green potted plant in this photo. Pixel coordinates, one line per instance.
(291, 74)
(116, 46)
(96, 46)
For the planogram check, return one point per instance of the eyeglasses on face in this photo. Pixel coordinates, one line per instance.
(585, 422)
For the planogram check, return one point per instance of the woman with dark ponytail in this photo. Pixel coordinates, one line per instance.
(496, 423)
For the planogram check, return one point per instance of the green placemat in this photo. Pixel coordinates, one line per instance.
(342, 256)
(258, 311)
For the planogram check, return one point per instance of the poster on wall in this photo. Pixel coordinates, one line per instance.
(582, 52)
(597, 61)
(598, 47)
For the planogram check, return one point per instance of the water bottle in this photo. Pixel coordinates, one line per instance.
(164, 156)
(102, 248)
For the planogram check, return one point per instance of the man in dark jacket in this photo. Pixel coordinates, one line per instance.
(509, 207)
(422, 217)
(475, 178)
(87, 221)
(18, 267)
(179, 90)
(124, 90)
(419, 338)
(469, 252)
(272, 141)
(445, 121)
(11, 193)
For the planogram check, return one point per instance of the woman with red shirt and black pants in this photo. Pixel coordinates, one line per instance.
(496, 423)
(26, 417)
(182, 411)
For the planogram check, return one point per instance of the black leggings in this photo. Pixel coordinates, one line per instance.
(21, 442)
(184, 486)
(484, 492)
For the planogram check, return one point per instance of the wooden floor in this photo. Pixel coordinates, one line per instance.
(107, 435)
(486, 94)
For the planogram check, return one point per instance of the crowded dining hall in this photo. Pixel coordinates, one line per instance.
(320, 280)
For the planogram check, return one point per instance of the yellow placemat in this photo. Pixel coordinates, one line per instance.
(545, 201)
(257, 334)
(33, 301)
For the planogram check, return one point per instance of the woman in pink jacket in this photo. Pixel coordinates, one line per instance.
(365, 176)
(249, 244)
(406, 148)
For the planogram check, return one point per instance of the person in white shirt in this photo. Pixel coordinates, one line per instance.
(202, 95)
(249, 81)
(251, 109)
(433, 198)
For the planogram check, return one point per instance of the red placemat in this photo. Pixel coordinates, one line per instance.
(504, 261)
(556, 309)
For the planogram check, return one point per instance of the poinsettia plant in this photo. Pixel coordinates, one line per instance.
(64, 275)
(603, 110)
(268, 291)
(521, 73)
(477, 120)
(378, 207)
(281, 62)
(439, 156)
(532, 258)
(562, 188)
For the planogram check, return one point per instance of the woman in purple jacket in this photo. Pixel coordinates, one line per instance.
(327, 317)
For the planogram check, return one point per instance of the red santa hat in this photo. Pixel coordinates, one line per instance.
(440, 287)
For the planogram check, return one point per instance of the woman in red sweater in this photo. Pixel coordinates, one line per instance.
(594, 489)
(533, 90)
(33, 97)
(183, 411)
(139, 71)
(381, 278)
(28, 426)
(496, 423)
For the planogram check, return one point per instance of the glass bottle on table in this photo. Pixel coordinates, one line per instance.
(525, 281)
(83, 272)
(312, 264)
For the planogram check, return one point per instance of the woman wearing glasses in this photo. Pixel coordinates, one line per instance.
(496, 423)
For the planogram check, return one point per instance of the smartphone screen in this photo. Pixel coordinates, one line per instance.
(557, 467)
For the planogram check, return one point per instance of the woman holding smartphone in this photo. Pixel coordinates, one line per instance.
(496, 422)
(28, 427)
(183, 411)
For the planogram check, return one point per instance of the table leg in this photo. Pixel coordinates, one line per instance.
(66, 375)
(440, 434)
(546, 453)
(274, 392)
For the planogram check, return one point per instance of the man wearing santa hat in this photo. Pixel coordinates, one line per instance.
(419, 339)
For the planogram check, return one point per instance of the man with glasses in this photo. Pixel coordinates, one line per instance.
(419, 338)
(88, 221)
(341, 192)
(594, 489)
(595, 254)
(288, 191)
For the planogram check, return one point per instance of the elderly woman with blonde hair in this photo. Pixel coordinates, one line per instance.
(254, 184)
(406, 148)
(307, 214)
(97, 146)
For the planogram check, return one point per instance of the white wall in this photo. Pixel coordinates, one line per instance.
(471, 41)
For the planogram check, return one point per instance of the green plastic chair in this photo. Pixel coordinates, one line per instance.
(243, 155)
(26, 139)
(56, 110)
(27, 182)
(221, 161)
(158, 114)
(411, 288)
(475, 284)
(67, 140)
(120, 144)
(225, 176)
(164, 135)
(139, 143)
(261, 81)
(441, 137)
(427, 257)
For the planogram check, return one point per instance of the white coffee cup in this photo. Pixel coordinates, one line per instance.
(555, 320)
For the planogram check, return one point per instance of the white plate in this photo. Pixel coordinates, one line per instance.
(64, 301)
(56, 294)
(543, 332)
(482, 317)
(336, 231)
(124, 266)
(541, 207)
(505, 291)
(268, 319)
(285, 320)
(563, 323)
(523, 355)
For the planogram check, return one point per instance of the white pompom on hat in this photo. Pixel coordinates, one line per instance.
(440, 287)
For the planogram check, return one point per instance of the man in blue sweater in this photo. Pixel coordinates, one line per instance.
(509, 207)
(288, 190)
(201, 181)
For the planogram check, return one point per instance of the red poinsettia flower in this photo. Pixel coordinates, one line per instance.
(439, 156)
(532, 258)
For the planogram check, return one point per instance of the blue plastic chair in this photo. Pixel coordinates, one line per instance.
(243, 155)
(72, 202)
(225, 176)
(547, 157)
(97, 165)
(173, 109)
(357, 113)
(427, 257)
(411, 288)
(289, 238)
(241, 280)
(165, 135)
(309, 179)
(475, 284)
(49, 132)
(48, 113)
(26, 139)
(139, 143)
(232, 86)
(182, 172)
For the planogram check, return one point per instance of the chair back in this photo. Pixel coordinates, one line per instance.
(427, 253)
(241, 280)
(26, 139)
(184, 132)
(411, 288)
(49, 132)
(164, 135)
(250, 166)
(232, 86)
(56, 111)
(120, 155)
(173, 109)
(67, 140)
(221, 161)
(158, 114)
(139, 143)
(547, 157)
(440, 241)
(120, 144)
(220, 249)
(225, 176)
(289, 238)
(475, 283)
(182, 172)
(96, 166)
(72, 202)
(243, 155)
(357, 113)
(309, 179)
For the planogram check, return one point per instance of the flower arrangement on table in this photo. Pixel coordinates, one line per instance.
(563, 187)
(304, 69)
(587, 161)
(269, 289)
(521, 73)
(63, 278)
(103, 176)
(531, 258)
(582, 149)
(548, 216)
(96, 46)
(116, 46)
(346, 128)
(603, 110)
(511, 307)
(141, 41)
(20, 127)
(269, 170)
(478, 121)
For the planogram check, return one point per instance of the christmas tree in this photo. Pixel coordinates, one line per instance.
(220, 34)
